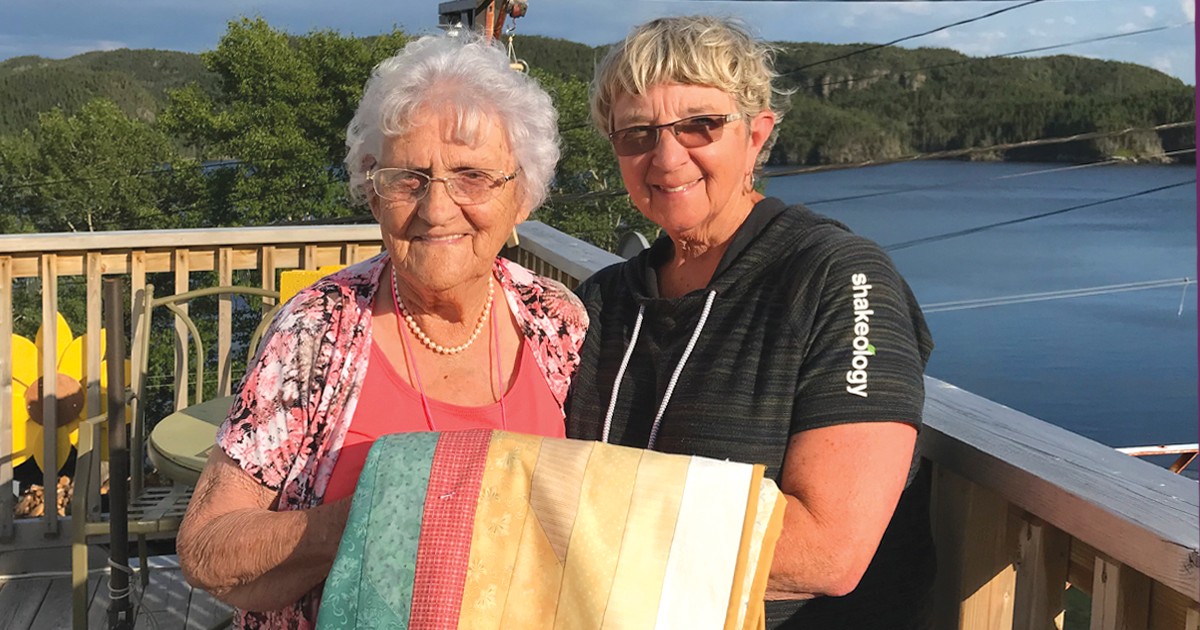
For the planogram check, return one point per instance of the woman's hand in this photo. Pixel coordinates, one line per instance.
(842, 484)
(234, 546)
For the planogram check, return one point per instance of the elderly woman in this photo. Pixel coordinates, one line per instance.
(450, 149)
(757, 331)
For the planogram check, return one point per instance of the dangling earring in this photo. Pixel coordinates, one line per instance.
(513, 239)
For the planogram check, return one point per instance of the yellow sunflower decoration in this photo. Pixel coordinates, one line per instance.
(70, 379)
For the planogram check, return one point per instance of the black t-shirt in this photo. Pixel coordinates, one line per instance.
(810, 326)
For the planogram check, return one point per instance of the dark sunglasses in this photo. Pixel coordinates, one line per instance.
(691, 132)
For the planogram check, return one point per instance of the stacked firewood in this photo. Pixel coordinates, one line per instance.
(32, 502)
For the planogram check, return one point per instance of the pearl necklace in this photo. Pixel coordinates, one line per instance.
(431, 344)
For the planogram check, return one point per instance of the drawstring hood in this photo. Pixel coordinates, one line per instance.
(687, 352)
(739, 264)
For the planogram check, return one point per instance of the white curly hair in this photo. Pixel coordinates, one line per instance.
(465, 75)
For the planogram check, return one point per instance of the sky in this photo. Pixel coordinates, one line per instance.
(62, 28)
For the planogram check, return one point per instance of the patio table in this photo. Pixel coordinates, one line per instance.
(180, 443)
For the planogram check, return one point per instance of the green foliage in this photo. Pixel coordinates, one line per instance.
(558, 57)
(815, 132)
(589, 168)
(281, 112)
(95, 170)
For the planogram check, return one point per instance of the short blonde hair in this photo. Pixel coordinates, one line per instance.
(690, 50)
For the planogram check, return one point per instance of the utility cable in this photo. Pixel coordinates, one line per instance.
(914, 157)
(1015, 52)
(955, 153)
(961, 305)
(910, 37)
(974, 180)
(957, 233)
(171, 168)
(1102, 38)
(618, 192)
(209, 205)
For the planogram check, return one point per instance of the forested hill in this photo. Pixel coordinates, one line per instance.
(878, 104)
(252, 132)
(889, 102)
(136, 80)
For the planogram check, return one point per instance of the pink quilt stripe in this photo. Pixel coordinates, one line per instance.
(449, 519)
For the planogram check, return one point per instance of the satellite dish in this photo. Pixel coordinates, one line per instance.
(630, 244)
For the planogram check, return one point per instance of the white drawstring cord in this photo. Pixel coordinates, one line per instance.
(612, 401)
(687, 352)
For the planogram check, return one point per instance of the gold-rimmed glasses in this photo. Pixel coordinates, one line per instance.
(466, 187)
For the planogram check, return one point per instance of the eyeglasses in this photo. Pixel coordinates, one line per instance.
(691, 132)
(469, 187)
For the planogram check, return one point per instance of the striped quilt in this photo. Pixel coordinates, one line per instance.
(488, 529)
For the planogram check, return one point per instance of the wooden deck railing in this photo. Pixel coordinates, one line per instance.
(87, 257)
(1021, 508)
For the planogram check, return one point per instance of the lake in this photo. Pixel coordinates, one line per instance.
(1120, 368)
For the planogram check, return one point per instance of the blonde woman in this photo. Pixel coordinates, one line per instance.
(757, 331)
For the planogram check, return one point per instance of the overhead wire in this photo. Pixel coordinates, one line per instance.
(913, 157)
(960, 305)
(208, 205)
(914, 36)
(1041, 215)
(618, 192)
(166, 169)
(235, 162)
(973, 180)
(1006, 146)
(1153, 29)
(1014, 53)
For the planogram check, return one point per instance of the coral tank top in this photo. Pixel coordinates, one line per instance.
(388, 404)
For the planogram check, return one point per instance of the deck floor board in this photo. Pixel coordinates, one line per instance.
(55, 612)
(20, 602)
(168, 603)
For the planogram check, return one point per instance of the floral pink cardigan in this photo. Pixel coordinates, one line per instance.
(295, 403)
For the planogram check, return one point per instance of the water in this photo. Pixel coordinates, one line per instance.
(1118, 368)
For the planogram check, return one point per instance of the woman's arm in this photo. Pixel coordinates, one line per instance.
(842, 484)
(234, 546)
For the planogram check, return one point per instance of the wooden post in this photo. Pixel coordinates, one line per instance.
(1170, 610)
(1120, 597)
(1044, 554)
(49, 274)
(224, 321)
(6, 394)
(92, 351)
(308, 257)
(139, 324)
(182, 276)
(975, 584)
(267, 266)
(137, 284)
(92, 370)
